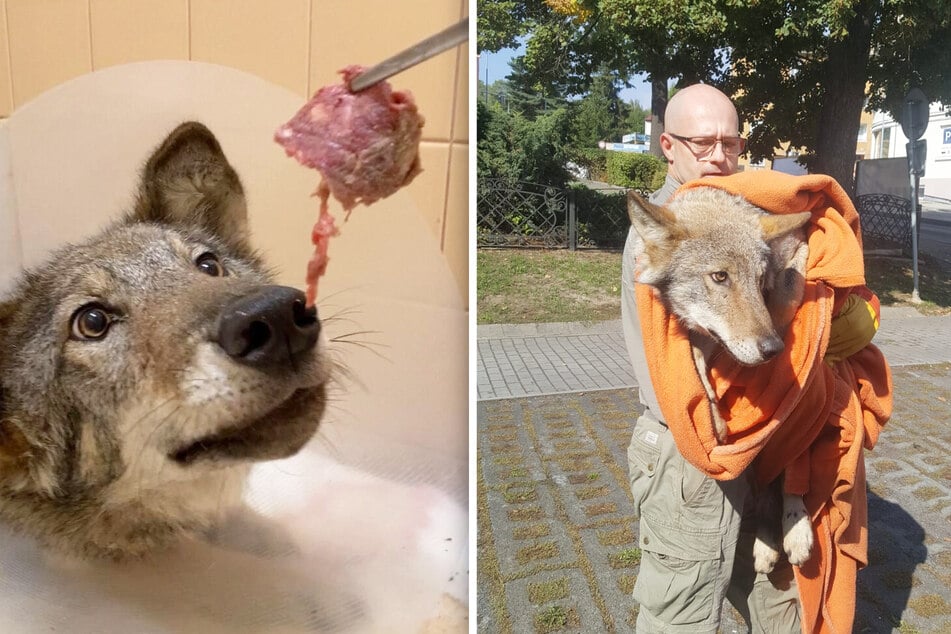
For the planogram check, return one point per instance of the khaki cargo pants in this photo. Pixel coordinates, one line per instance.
(693, 551)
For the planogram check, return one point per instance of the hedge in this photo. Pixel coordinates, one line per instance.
(628, 169)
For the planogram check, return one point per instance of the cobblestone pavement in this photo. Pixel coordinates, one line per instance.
(557, 530)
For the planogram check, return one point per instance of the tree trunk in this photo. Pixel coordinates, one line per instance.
(845, 75)
(658, 106)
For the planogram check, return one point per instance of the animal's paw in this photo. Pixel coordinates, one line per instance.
(765, 556)
(797, 530)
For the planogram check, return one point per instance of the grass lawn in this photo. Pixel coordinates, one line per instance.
(517, 286)
(537, 286)
(891, 277)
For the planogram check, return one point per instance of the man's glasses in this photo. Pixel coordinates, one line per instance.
(703, 146)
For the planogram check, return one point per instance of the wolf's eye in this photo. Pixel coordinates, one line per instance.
(719, 276)
(209, 264)
(90, 322)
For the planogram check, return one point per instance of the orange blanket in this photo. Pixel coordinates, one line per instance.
(796, 413)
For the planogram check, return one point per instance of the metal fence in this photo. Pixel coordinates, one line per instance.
(523, 214)
(594, 215)
(887, 217)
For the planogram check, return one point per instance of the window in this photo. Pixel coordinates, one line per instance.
(863, 133)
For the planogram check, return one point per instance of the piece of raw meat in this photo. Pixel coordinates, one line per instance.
(365, 146)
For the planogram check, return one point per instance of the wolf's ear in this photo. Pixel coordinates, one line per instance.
(658, 228)
(776, 225)
(188, 180)
(785, 280)
(654, 223)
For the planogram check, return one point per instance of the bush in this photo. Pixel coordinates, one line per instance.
(511, 146)
(627, 169)
(601, 216)
(595, 161)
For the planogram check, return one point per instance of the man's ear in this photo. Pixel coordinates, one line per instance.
(188, 180)
(667, 146)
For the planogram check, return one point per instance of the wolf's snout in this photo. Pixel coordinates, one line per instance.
(271, 326)
(769, 347)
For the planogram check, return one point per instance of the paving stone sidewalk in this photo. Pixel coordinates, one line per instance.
(556, 526)
(557, 530)
(530, 359)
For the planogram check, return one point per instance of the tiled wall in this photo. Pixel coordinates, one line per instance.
(297, 44)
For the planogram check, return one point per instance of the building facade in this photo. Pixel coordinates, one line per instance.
(888, 141)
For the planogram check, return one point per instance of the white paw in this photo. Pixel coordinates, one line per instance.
(797, 530)
(765, 556)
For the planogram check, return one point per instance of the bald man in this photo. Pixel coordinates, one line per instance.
(702, 138)
(694, 552)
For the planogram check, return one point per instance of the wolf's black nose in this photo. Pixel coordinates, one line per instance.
(271, 326)
(770, 347)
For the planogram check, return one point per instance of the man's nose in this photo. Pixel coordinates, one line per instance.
(718, 155)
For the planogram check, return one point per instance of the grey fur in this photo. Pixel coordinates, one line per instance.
(89, 428)
(734, 276)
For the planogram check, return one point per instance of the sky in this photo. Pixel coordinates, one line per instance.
(497, 65)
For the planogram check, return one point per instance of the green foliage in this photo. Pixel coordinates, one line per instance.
(499, 24)
(799, 70)
(634, 117)
(598, 116)
(544, 148)
(628, 169)
(911, 48)
(803, 71)
(510, 146)
(595, 161)
(602, 215)
(552, 618)
(515, 93)
(527, 95)
(591, 122)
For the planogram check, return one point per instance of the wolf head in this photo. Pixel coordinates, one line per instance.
(724, 267)
(144, 369)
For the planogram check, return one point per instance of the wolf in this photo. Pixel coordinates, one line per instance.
(145, 370)
(733, 275)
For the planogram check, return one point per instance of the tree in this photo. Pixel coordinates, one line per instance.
(511, 146)
(570, 39)
(799, 71)
(634, 117)
(598, 116)
(910, 48)
(532, 97)
(499, 23)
